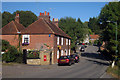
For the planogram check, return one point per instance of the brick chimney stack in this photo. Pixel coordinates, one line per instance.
(45, 16)
(55, 21)
(17, 18)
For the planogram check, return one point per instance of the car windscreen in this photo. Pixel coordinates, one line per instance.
(64, 57)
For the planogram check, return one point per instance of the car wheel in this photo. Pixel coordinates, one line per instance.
(69, 64)
(59, 64)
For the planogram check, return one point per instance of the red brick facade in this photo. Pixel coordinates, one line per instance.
(13, 39)
(41, 32)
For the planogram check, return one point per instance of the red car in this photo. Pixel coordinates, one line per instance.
(66, 60)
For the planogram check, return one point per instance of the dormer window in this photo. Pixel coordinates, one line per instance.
(25, 39)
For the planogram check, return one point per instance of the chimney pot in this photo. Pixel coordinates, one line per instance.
(48, 13)
(40, 13)
(45, 12)
(53, 19)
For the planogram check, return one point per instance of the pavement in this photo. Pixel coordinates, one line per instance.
(91, 65)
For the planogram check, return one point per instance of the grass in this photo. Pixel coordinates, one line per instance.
(9, 64)
(115, 71)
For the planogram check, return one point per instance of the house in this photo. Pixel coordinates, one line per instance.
(93, 37)
(10, 32)
(86, 40)
(42, 34)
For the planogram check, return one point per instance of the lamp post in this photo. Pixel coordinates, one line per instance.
(116, 43)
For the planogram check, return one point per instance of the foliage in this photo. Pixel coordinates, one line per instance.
(12, 55)
(93, 25)
(110, 12)
(33, 54)
(26, 17)
(5, 45)
(6, 18)
(75, 29)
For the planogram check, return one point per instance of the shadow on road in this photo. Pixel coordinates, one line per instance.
(99, 62)
(93, 55)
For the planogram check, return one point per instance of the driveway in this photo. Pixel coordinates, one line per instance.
(91, 65)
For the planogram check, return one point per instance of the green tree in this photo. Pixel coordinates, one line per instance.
(26, 17)
(6, 18)
(75, 29)
(93, 25)
(110, 12)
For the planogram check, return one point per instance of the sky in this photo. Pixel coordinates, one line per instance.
(82, 10)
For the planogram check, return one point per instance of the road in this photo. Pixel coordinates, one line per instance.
(91, 65)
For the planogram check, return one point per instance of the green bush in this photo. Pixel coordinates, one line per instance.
(19, 58)
(12, 55)
(5, 45)
(33, 54)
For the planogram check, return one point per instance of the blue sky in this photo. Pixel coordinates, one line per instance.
(82, 10)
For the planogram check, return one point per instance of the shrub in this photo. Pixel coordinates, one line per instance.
(5, 45)
(12, 55)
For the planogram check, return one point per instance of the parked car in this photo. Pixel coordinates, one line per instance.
(66, 60)
(82, 48)
(76, 57)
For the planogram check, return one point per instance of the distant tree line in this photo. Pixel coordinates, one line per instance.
(77, 30)
(26, 17)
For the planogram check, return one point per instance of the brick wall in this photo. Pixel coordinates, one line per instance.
(13, 39)
(63, 47)
(36, 41)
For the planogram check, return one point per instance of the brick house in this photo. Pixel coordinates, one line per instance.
(93, 37)
(43, 33)
(10, 32)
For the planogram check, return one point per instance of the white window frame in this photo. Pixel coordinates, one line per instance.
(69, 41)
(66, 41)
(62, 41)
(57, 54)
(58, 40)
(62, 53)
(69, 51)
(25, 36)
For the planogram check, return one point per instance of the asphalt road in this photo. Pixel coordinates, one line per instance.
(91, 65)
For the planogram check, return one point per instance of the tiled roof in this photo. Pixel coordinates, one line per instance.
(12, 28)
(41, 26)
(94, 36)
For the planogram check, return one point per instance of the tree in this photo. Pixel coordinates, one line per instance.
(6, 18)
(75, 29)
(26, 17)
(110, 12)
(93, 25)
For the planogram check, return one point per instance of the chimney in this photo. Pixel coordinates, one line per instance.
(45, 16)
(17, 18)
(45, 13)
(55, 21)
(48, 13)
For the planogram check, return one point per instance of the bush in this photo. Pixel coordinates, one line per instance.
(5, 45)
(12, 55)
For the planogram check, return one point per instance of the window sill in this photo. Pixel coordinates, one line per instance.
(25, 44)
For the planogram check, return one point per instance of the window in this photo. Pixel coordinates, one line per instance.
(57, 54)
(61, 52)
(66, 52)
(57, 40)
(69, 51)
(69, 42)
(25, 39)
(66, 41)
(62, 41)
